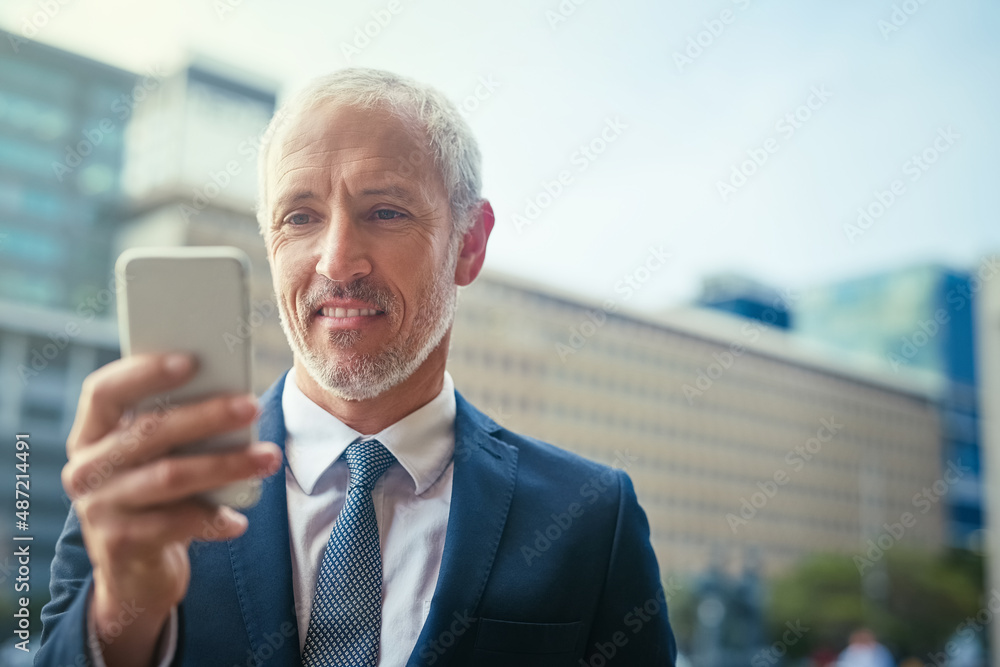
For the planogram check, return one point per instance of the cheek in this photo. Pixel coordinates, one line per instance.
(418, 285)
(289, 268)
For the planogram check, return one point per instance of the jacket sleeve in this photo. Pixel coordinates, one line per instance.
(631, 624)
(64, 618)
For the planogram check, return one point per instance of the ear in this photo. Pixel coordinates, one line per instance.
(473, 250)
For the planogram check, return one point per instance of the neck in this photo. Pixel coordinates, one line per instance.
(372, 415)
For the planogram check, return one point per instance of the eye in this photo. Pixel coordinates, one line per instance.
(298, 219)
(387, 214)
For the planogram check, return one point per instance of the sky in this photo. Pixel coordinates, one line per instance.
(729, 136)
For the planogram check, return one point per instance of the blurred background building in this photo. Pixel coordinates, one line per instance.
(190, 178)
(62, 121)
(920, 317)
(72, 196)
(737, 436)
(988, 349)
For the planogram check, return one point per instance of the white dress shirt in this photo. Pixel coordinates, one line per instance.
(412, 502)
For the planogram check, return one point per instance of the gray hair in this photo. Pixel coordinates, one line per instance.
(449, 138)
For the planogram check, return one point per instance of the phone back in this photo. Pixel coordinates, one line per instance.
(195, 300)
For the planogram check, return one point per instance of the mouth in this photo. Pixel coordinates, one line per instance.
(347, 313)
(349, 316)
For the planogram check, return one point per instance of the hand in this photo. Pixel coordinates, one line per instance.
(137, 505)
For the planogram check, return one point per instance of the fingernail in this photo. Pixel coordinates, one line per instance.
(177, 364)
(243, 406)
(234, 517)
(274, 462)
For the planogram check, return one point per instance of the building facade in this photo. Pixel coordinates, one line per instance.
(45, 354)
(922, 317)
(62, 121)
(737, 437)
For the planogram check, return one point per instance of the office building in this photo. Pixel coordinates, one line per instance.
(737, 435)
(743, 296)
(62, 121)
(44, 356)
(920, 317)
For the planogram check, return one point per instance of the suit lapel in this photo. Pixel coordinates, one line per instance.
(482, 489)
(261, 557)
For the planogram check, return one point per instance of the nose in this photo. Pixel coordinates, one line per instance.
(342, 250)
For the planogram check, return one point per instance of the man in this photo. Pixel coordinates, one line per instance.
(863, 650)
(408, 527)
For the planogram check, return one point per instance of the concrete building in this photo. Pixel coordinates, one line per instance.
(736, 436)
(190, 174)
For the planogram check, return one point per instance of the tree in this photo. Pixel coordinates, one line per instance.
(913, 601)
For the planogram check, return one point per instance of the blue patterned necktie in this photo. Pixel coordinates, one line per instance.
(346, 615)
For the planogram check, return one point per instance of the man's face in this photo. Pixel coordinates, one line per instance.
(361, 248)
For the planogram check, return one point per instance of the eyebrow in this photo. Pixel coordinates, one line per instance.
(293, 198)
(290, 199)
(397, 191)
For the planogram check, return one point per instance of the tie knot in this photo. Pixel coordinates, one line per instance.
(367, 461)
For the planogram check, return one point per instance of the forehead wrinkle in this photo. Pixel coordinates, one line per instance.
(325, 135)
(392, 183)
(282, 174)
(338, 163)
(421, 193)
(393, 145)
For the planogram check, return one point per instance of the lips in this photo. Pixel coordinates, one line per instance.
(341, 313)
(347, 310)
(348, 306)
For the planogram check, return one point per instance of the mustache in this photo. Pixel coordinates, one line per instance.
(362, 289)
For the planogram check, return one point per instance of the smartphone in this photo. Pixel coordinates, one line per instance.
(194, 300)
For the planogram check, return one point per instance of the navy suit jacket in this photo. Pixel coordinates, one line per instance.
(547, 562)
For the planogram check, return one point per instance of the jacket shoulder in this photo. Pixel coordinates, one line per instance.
(549, 469)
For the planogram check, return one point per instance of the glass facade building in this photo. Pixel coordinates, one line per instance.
(922, 317)
(62, 121)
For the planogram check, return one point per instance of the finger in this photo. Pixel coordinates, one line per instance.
(152, 435)
(174, 478)
(111, 389)
(184, 521)
(128, 537)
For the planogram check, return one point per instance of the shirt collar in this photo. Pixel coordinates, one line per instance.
(423, 441)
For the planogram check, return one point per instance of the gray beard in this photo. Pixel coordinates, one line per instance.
(364, 376)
